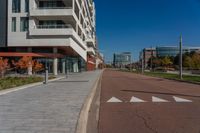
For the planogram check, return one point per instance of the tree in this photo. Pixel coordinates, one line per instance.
(196, 61)
(4, 65)
(37, 66)
(156, 62)
(26, 63)
(166, 62)
(191, 60)
(187, 62)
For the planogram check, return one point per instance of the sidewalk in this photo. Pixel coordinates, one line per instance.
(51, 108)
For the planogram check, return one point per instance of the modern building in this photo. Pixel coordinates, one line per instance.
(121, 59)
(61, 33)
(146, 54)
(173, 50)
(163, 51)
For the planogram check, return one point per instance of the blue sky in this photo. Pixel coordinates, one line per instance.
(130, 25)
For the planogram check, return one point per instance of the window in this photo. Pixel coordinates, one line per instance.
(13, 24)
(24, 24)
(16, 6)
(26, 5)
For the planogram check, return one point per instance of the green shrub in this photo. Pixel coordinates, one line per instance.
(11, 82)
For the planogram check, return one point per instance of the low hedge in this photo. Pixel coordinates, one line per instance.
(10, 82)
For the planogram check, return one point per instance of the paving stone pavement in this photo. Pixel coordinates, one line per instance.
(51, 108)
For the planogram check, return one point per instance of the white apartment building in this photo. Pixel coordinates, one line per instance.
(61, 33)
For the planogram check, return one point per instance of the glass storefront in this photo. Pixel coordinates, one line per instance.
(75, 64)
(67, 64)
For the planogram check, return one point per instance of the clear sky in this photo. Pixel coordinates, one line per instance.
(130, 25)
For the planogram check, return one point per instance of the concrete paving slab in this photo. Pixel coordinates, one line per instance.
(51, 108)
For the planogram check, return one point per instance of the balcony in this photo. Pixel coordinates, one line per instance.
(64, 31)
(51, 11)
(52, 30)
(51, 7)
(90, 42)
(91, 50)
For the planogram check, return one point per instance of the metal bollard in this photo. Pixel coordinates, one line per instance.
(46, 75)
(67, 74)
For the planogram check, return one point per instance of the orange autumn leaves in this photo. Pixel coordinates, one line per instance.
(4, 65)
(26, 62)
(23, 63)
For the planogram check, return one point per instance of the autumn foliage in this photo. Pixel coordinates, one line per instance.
(27, 62)
(4, 65)
(23, 63)
(37, 66)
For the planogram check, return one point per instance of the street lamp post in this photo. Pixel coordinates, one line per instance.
(142, 62)
(180, 59)
(151, 58)
(46, 73)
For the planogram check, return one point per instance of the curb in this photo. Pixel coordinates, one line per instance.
(81, 126)
(3, 92)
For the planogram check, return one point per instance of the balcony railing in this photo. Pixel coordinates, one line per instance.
(54, 8)
(61, 26)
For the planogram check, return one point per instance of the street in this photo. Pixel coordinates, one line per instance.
(132, 103)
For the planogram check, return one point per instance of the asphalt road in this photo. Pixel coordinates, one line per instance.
(132, 103)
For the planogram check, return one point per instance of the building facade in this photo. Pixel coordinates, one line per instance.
(60, 32)
(163, 51)
(146, 54)
(122, 59)
(173, 50)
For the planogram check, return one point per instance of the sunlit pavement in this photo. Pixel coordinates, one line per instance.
(51, 108)
(132, 103)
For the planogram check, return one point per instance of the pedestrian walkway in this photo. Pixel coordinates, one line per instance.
(51, 108)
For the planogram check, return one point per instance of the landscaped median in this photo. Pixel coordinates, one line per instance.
(186, 78)
(11, 82)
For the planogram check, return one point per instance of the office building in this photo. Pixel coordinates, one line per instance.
(122, 59)
(59, 32)
(146, 54)
(173, 50)
(163, 51)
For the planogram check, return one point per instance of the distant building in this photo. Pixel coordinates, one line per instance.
(163, 51)
(146, 54)
(173, 50)
(122, 59)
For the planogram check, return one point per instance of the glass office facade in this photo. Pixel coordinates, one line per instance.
(173, 51)
(120, 60)
(167, 51)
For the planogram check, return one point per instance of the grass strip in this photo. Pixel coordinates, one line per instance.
(189, 78)
(11, 82)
